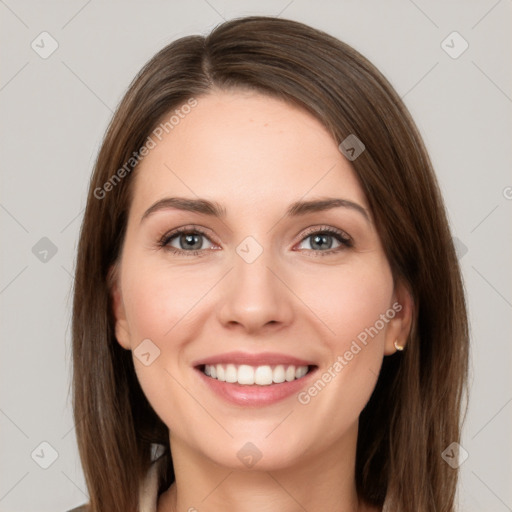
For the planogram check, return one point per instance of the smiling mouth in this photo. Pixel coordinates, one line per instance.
(264, 375)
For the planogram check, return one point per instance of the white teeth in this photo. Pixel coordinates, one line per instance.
(220, 373)
(231, 373)
(290, 373)
(245, 374)
(301, 371)
(279, 375)
(264, 375)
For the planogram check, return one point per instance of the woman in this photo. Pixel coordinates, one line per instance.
(266, 288)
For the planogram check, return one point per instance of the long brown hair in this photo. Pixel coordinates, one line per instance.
(415, 410)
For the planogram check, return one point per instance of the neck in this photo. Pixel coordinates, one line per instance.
(322, 481)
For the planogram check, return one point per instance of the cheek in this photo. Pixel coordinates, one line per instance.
(160, 299)
(158, 305)
(162, 304)
(349, 300)
(355, 306)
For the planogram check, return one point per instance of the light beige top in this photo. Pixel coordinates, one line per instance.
(148, 497)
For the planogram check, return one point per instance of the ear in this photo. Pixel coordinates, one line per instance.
(400, 324)
(121, 324)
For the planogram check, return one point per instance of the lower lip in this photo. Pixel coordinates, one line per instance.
(254, 395)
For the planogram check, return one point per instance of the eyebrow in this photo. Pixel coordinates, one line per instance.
(215, 209)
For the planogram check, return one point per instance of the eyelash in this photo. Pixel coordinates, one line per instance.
(343, 238)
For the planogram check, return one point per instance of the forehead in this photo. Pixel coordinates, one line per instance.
(242, 148)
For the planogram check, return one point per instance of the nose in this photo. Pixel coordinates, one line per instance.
(255, 296)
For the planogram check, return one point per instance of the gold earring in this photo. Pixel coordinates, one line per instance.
(398, 347)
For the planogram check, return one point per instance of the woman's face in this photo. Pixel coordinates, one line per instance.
(260, 293)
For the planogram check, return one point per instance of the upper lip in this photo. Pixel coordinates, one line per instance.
(263, 358)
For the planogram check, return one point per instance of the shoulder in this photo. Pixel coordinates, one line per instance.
(81, 508)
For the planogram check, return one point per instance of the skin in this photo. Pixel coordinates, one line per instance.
(255, 155)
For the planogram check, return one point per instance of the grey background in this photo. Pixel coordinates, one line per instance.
(54, 112)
